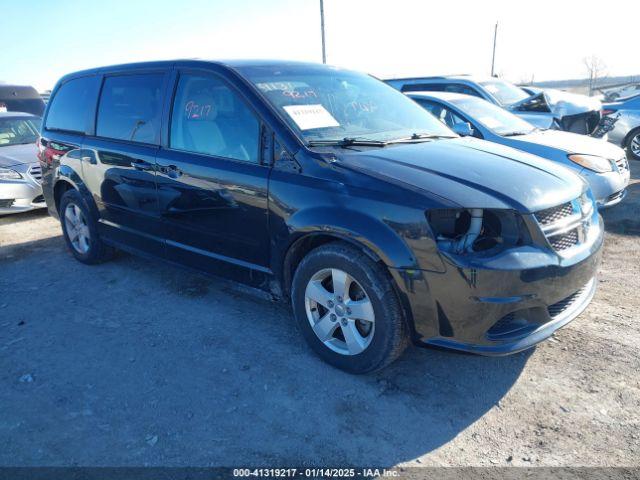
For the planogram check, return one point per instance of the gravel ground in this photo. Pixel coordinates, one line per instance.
(137, 363)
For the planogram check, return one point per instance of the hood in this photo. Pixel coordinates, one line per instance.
(569, 143)
(18, 154)
(559, 103)
(472, 173)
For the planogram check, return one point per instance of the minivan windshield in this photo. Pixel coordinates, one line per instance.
(324, 104)
(499, 120)
(504, 92)
(18, 131)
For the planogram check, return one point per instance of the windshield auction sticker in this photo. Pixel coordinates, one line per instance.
(311, 116)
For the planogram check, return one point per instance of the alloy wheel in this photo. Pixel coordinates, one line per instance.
(340, 311)
(77, 228)
(635, 145)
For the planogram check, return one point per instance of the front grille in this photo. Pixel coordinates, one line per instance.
(554, 214)
(566, 225)
(510, 327)
(564, 241)
(6, 203)
(561, 306)
(36, 173)
(622, 164)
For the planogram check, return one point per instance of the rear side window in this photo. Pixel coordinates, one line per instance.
(130, 107)
(71, 105)
(208, 117)
(423, 87)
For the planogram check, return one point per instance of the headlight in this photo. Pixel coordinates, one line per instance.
(592, 162)
(8, 174)
(476, 230)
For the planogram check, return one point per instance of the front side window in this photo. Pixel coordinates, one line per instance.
(446, 116)
(504, 92)
(18, 131)
(130, 107)
(209, 117)
(71, 105)
(501, 121)
(330, 104)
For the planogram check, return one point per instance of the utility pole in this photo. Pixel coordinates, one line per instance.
(324, 52)
(493, 58)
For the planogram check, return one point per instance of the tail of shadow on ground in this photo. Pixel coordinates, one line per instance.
(425, 400)
(624, 218)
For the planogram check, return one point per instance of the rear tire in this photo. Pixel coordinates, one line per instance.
(347, 309)
(80, 230)
(633, 144)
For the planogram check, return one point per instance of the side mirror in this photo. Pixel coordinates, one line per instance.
(464, 129)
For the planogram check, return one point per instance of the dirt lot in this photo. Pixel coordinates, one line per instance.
(137, 363)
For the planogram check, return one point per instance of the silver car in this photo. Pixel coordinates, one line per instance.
(624, 118)
(543, 108)
(20, 173)
(602, 164)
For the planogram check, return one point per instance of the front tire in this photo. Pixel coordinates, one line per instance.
(633, 144)
(347, 309)
(80, 230)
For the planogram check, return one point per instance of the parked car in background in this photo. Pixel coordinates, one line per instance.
(21, 98)
(531, 90)
(328, 187)
(625, 91)
(602, 164)
(20, 173)
(545, 109)
(625, 124)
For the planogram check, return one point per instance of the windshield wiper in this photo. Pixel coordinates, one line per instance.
(515, 134)
(416, 137)
(347, 142)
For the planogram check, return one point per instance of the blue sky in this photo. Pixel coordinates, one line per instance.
(42, 40)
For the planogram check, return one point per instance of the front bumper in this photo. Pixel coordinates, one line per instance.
(608, 188)
(499, 310)
(20, 196)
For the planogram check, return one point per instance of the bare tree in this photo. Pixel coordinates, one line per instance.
(595, 68)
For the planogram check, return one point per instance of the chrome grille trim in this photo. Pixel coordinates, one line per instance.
(553, 214)
(566, 226)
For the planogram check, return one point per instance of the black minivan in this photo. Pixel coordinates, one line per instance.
(326, 187)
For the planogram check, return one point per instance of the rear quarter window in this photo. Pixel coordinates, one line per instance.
(72, 105)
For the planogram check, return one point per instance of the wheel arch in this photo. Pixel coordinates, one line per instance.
(68, 179)
(376, 239)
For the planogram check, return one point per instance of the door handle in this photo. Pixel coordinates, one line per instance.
(170, 171)
(142, 165)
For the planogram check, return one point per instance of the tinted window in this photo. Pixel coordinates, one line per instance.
(504, 92)
(457, 88)
(130, 107)
(446, 116)
(71, 105)
(208, 117)
(424, 87)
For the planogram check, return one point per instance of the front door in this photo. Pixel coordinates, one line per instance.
(212, 181)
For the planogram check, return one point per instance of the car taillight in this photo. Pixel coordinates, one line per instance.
(607, 112)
